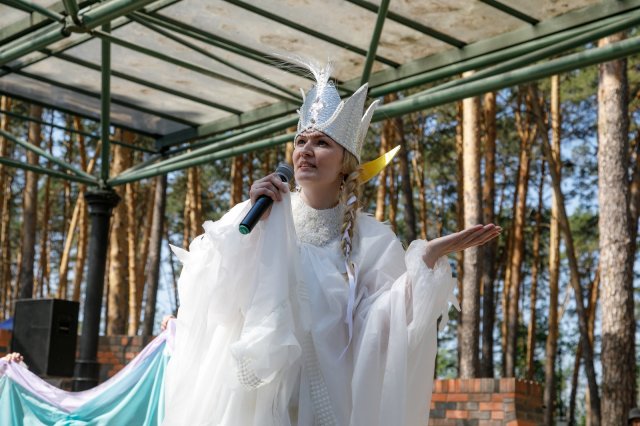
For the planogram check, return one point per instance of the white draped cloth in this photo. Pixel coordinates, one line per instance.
(262, 326)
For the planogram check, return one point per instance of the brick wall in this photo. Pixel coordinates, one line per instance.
(5, 342)
(486, 402)
(114, 352)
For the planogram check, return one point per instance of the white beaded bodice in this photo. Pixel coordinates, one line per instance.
(317, 227)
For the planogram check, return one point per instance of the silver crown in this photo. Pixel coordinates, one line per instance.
(342, 121)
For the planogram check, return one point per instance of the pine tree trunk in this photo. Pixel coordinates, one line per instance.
(397, 130)
(30, 211)
(236, 181)
(186, 232)
(634, 197)
(288, 149)
(83, 225)
(527, 135)
(459, 221)
(551, 347)
(573, 265)
(472, 186)
(618, 321)
(381, 192)
(417, 162)
(591, 313)
(153, 270)
(196, 201)
(118, 285)
(43, 268)
(145, 242)
(488, 267)
(393, 197)
(132, 273)
(5, 214)
(535, 266)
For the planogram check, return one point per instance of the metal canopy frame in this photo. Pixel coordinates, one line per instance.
(501, 61)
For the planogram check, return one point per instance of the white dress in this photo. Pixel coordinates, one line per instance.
(262, 326)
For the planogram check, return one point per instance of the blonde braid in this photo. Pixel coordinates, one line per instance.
(351, 187)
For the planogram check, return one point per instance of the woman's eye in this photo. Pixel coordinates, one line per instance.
(322, 143)
(300, 142)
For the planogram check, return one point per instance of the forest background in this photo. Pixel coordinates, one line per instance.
(479, 160)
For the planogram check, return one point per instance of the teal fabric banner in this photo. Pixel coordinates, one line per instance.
(137, 398)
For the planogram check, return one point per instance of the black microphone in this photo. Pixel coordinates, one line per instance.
(285, 172)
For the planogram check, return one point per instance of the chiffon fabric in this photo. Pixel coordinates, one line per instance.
(262, 336)
(134, 396)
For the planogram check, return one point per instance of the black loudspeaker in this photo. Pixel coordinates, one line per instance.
(45, 332)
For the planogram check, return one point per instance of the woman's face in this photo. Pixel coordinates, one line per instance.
(317, 161)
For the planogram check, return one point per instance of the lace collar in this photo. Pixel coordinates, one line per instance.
(317, 227)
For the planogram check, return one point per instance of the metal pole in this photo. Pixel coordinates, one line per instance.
(105, 118)
(101, 204)
(375, 40)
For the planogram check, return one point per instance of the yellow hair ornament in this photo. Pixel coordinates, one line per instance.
(372, 168)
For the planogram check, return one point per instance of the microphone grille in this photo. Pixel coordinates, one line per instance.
(285, 171)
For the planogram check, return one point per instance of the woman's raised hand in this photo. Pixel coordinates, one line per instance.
(470, 237)
(271, 186)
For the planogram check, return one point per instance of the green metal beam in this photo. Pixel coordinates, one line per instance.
(147, 83)
(190, 66)
(47, 155)
(57, 31)
(443, 65)
(46, 123)
(415, 103)
(511, 11)
(72, 9)
(28, 6)
(445, 38)
(120, 102)
(140, 19)
(44, 171)
(133, 147)
(163, 168)
(105, 107)
(34, 22)
(375, 40)
(221, 42)
(266, 129)
(23, 28)
(535, 72)
(517, 56)
(306, 30)
(229, 123)
(70, 112)
(528, 33)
